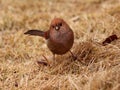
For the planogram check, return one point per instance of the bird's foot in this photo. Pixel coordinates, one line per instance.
(42, 63)
(74, 57)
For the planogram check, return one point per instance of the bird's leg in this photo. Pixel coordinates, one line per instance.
(54, 58)
(43, 62)
(74, 57)
(45, 58)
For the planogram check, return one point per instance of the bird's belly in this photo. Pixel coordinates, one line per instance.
(58, 47)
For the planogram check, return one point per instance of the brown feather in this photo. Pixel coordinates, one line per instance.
(35, 32)
(109, 39)
(38, 33)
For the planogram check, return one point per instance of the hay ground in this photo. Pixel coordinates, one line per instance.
(91, 20)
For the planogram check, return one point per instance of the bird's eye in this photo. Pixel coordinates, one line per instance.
(60, 24)
(53, 26)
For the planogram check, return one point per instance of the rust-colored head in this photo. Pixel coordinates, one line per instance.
(58, 24)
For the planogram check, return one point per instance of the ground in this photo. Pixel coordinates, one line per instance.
(92, 21)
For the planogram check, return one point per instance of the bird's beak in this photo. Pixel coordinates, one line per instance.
(57, 27)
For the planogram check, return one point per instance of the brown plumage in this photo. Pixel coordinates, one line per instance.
(109, 39)
(59, 37)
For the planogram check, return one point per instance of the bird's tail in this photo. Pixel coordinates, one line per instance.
(35, 33)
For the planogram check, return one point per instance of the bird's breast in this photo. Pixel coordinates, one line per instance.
(60, 43)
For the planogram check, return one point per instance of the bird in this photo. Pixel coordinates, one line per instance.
(59, 37)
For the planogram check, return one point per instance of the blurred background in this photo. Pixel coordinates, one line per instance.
(91, 20)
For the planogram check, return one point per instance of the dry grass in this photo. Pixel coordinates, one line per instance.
(91, 20)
